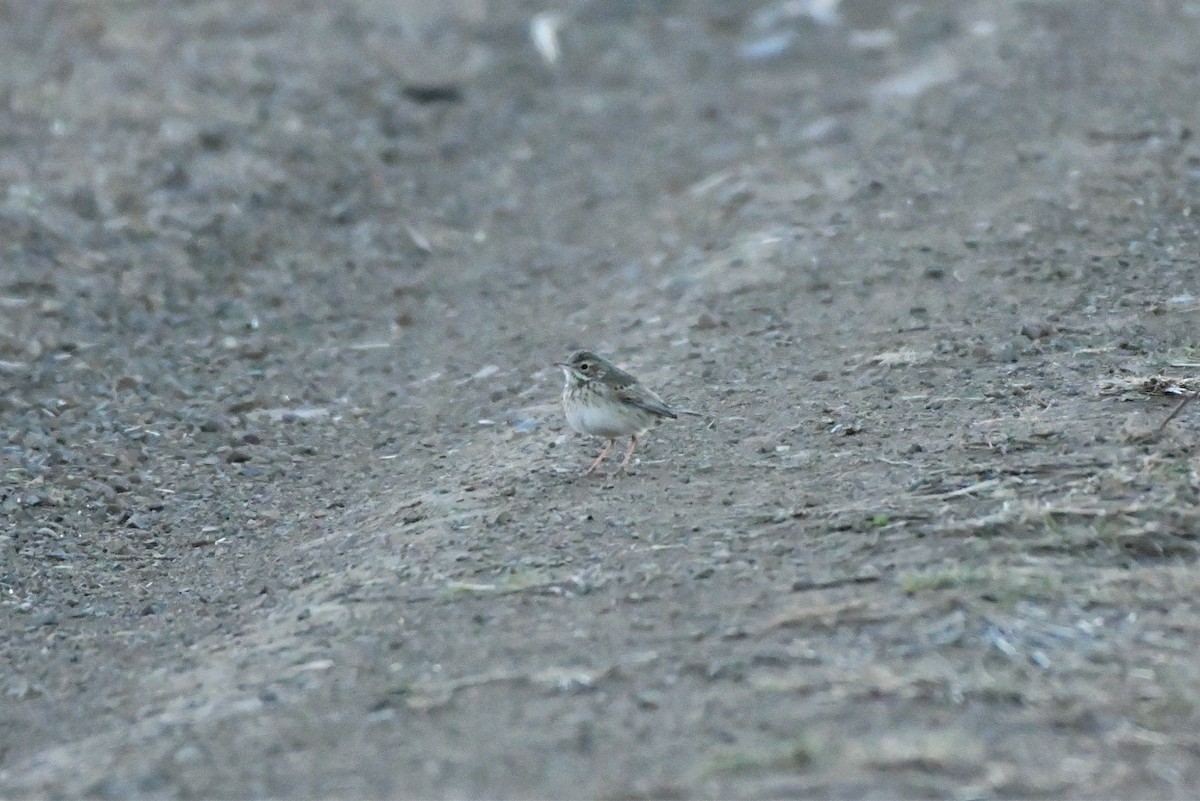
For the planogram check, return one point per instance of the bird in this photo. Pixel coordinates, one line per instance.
(601, 400)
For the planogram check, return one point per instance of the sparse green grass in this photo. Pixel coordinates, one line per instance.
(1004, 586)
(797, 754)
(516, 581)
(1010, 589)
(954, 576)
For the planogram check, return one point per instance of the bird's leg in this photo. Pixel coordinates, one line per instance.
(628, 453)
(600, 458)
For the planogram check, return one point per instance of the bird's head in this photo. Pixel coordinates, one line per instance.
(583, 366)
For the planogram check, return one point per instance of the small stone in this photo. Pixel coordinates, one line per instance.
(84, 203)
(214, 139)
(1036, 330)
(648, 699)
(395, 123)
(188, 755)
(175, 176)
(761, 444)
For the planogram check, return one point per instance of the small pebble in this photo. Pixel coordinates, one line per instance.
(1036, 330)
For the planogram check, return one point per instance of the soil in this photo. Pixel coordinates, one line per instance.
(289, 505)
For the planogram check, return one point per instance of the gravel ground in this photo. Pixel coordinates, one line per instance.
(289, 506)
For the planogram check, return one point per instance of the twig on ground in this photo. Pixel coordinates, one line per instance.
(1174, 412)
(969, 490)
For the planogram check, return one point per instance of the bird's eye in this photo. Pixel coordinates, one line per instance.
(585, 366)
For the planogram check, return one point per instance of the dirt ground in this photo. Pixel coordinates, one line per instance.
(289, 506)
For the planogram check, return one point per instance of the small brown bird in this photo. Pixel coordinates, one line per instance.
(603, 401)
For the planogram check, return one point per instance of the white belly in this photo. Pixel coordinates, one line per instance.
(599, 421)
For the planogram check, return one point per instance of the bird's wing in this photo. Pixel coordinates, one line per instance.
(643, 398)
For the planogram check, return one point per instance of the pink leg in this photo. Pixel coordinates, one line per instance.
(628, 453)
(600, 458)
